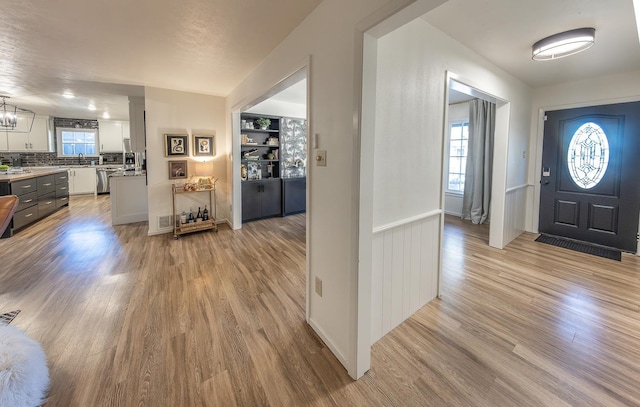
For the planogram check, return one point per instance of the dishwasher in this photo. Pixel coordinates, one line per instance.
(102, 175)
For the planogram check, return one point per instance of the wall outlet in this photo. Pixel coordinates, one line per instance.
(319, 286)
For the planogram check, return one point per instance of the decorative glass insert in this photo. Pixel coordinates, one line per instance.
(588, 155)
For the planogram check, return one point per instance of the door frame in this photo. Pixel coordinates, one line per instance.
(499, 173)
(535, 212)
(303, 69)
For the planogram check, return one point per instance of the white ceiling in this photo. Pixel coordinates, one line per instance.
(203, 46)
(503, 31)
(209, 46)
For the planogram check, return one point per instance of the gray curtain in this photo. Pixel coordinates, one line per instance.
(477, 183)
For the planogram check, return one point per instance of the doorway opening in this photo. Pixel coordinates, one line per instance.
(468, 155)
(283, 150)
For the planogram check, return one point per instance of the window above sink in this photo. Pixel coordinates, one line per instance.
(72, 142)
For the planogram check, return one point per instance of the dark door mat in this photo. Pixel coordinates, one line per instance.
(581, 247)
(8, 317)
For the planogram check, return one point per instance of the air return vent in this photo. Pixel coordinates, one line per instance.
(164, 222)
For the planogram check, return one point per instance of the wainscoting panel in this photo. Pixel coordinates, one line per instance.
(405, 271)
(515, 212)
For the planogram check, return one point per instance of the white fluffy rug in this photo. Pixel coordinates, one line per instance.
(24, 377)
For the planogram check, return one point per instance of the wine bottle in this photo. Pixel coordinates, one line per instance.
(199, 215)
(191, 219)
(205, 213)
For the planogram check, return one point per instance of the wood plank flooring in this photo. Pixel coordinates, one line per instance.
(217, 319)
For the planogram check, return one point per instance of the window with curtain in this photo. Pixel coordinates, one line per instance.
(458, 141)
(72, 142)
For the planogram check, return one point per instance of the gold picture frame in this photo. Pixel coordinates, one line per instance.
(178, 169)
(203, 146)
(176, 145)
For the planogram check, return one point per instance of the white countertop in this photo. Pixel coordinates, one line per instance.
(128, 174)
(30, 172)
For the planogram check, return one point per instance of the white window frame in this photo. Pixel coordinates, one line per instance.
(462, 122)
(60, 151)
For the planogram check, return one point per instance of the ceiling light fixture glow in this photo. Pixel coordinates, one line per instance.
(105, 115)
(68, 95)
(92, 107)
(563, 44)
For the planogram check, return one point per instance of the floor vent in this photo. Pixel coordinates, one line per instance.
(164, 222)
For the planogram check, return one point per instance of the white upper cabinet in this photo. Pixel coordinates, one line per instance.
(111, 133)
(38, 140)
(4, 145)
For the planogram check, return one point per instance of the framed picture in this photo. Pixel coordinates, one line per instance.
(203, 146)
(178, 169)
(176, 145)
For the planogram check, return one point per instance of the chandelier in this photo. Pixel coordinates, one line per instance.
(14, 118)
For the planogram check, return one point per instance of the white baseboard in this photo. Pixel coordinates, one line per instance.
(328, 343)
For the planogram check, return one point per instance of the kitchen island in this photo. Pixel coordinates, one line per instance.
(41, 191)
(128, 191)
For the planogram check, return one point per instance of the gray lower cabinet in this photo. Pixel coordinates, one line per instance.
(62, 189)
(294, 195)
(261, 199)
(37, 197)
(46, 195)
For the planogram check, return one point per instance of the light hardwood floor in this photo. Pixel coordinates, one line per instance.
(217, 319)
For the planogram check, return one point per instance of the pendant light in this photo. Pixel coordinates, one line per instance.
(563, 44)
(14, 118)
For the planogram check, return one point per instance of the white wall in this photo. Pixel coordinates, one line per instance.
(404, 272)
(413, 62)
(412, 66)
(622, 87)
(174, 112)
(329, 38)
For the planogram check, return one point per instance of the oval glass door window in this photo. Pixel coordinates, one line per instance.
(588, 155)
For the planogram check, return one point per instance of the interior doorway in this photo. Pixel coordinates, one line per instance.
(273, 155)
(289, 97)
(266, 154)
(458, 167)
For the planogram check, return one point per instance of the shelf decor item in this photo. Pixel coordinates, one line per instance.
(178, 169)
(203, 146)
(243, 172)
(176, 145)
(263, 123)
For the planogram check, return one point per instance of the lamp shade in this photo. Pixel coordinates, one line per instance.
(563, 44)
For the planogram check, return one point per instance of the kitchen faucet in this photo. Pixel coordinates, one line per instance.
(80, 156)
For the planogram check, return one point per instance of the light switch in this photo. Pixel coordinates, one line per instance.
(321, 158)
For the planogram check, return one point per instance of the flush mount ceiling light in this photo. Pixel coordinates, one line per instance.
(91, 107)
(68, 95)
(14, 118)
(563, 44)
(105, 115)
